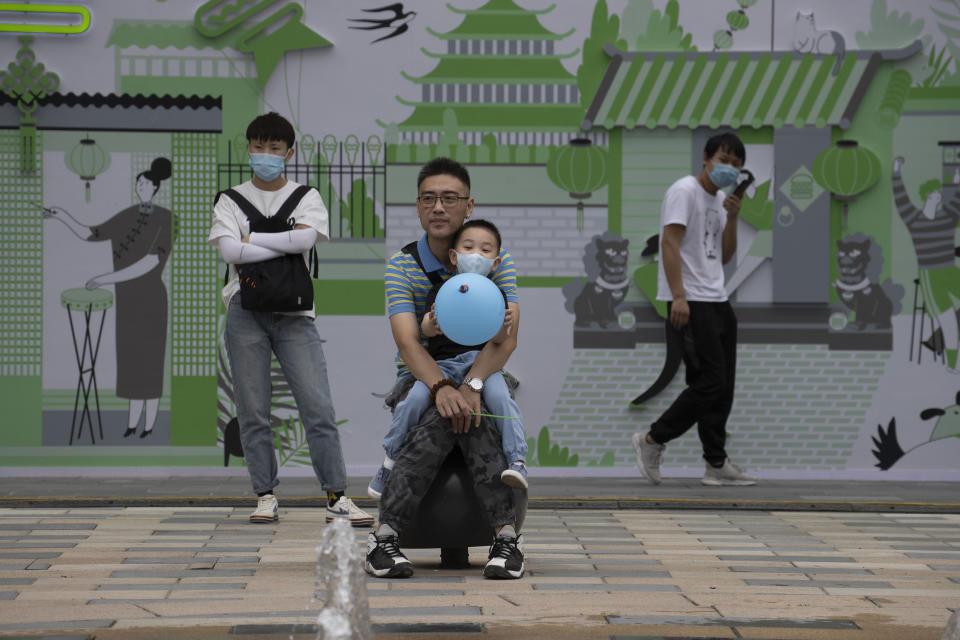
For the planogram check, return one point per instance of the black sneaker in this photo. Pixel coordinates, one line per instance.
(506, 558)
(384, 558)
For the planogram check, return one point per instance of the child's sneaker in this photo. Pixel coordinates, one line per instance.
(379, 482)
(515, 475)
(267, 509)
(344, 508)
(384, 558)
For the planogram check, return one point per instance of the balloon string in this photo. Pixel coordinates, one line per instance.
(490, 415)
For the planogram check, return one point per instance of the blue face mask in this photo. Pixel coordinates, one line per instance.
(266, 166)
(474, 263)
(723, 175)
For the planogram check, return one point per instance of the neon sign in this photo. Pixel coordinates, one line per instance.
(51, 18)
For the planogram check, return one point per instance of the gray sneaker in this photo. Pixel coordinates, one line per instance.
(648, 457)
(729, 475)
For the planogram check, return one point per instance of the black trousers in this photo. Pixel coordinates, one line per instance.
(710, 356)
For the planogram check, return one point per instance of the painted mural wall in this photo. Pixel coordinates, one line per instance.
(119, 122)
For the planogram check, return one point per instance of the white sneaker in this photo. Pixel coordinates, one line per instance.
(729, 475)
(648, 456)
(267, 509)
(344, 508)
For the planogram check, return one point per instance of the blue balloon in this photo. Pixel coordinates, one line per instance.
(469, 309)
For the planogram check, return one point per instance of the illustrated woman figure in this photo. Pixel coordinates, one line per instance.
(141, 238)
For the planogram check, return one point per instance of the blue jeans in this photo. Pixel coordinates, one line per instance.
(496, 397)
(250, 337)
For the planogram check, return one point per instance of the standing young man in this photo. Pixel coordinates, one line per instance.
(698, 236)
(443, 204)
(283, 326)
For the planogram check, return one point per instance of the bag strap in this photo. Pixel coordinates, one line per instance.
(252, 213)
(433, 276)
(292, 201)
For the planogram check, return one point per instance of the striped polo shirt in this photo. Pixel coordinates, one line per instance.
(407, 286)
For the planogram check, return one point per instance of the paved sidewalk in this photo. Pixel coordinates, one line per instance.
(192, 573)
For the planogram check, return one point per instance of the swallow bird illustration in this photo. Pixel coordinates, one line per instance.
(398, 22)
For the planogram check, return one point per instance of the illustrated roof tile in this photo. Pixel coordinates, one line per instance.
(715, 89)
(126, 101)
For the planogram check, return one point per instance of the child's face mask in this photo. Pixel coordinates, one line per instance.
(474, 263)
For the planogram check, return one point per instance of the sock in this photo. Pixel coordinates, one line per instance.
(385, 530)
(717, 466)
(268, 492)
(388, 463)
(507, 531)
(333, 496)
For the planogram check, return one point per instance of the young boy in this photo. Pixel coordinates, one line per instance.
(475, 249)
(255, 329)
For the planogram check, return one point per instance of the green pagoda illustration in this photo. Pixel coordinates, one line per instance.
(500, 74)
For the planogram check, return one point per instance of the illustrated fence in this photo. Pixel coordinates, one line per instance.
(350, 175)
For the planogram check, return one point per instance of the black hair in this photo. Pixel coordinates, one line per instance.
(478, 222)
(271, 126)
(729, 142)
(160, 169)
(444, 166)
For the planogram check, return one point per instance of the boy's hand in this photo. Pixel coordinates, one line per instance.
(429, 326)
(732, 204)
(508, 320)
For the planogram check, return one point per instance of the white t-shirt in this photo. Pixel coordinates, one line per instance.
(229, 220)
(701, 249)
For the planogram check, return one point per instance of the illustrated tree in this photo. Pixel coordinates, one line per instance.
(604, 28)
(647, 29)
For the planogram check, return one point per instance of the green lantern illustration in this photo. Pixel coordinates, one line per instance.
(579, 169)
(87, 160)
(738, 20)
(846, 170)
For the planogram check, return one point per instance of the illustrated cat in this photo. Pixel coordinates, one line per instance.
(866, 299)
(806, 39)
(596, 304)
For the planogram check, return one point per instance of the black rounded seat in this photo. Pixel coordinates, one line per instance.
(451, 516)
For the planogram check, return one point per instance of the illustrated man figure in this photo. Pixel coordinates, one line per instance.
(933, 230)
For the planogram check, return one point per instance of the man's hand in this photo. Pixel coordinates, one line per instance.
(732, 204)
(679, 313)
(473, 399)
(508, 320)
(245, 239)
(452, 404)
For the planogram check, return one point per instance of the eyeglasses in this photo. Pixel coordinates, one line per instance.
(448, 200)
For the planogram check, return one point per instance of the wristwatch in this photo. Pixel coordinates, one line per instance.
(475, 384)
